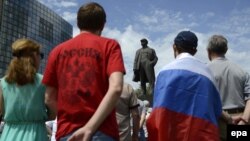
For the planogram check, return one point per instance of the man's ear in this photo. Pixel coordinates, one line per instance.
(209, 54)
(175, 50)
(195, 50)
(174, 47)
(103, 26)
(101, 29)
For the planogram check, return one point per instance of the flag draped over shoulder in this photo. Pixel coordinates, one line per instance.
(186, 105)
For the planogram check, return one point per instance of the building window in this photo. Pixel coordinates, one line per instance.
(65, 36)
(46, 30)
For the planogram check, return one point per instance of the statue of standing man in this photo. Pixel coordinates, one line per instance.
(145, 60)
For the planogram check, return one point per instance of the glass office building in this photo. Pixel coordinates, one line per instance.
(30, 19)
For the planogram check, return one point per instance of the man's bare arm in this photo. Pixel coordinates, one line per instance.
(245, 118)
(51, 102)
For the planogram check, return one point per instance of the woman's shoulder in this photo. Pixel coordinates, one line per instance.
(39, 78)
(3, 81)
(39, 75)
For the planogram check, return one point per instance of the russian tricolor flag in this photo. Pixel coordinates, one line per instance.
(186, 104)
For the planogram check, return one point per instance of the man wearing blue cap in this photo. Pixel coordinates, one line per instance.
(186, 100)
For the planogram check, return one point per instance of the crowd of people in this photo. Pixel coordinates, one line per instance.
(82, 95)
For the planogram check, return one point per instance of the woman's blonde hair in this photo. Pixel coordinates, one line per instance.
(22, 68)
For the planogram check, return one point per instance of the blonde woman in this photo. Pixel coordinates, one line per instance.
(22, 95)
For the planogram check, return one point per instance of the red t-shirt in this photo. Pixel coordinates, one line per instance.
(80, 70)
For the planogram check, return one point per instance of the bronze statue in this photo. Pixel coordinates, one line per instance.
(145, 60)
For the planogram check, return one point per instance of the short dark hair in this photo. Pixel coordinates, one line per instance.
(91, 16)
(217, 44)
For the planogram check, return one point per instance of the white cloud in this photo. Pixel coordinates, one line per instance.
(69, 16)
(236, 24)
(164, 50)
(209, 14)
(76, 31)
(68, 4)
(162, 21)
(59, 3)
(147, 20)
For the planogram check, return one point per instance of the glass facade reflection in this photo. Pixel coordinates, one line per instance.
(30, 19)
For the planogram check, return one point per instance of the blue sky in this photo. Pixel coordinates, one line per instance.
(160, 21)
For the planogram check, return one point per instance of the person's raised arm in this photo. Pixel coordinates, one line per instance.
(51, 102)
(104, 109)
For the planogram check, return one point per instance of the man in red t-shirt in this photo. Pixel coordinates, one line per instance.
(84, 79)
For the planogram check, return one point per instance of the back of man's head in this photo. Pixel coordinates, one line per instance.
(91, 17)
(217, 44)
(186, 41)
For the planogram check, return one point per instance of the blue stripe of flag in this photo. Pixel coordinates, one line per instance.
(189, 93)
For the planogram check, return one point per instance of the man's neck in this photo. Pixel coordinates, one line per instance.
(215, 56)
(98, 32)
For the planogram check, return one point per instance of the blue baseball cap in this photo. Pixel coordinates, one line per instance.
(186, 39)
